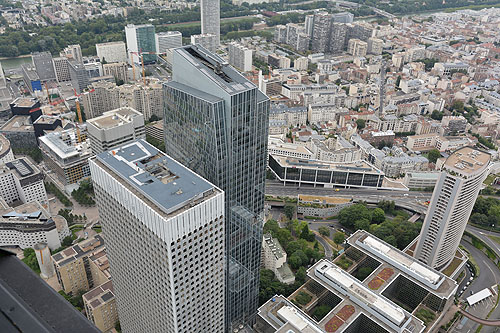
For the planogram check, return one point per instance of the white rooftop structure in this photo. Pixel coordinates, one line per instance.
(297, 320)
(388, 312)
(479, 296)
(403, 262)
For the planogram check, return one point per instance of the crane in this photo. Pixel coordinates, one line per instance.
(141, 55)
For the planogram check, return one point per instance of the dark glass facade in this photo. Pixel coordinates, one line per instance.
(216, 124)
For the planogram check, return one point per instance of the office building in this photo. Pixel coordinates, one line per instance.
(168, 268)
(343, 17)
(46, 124)
(100, 306)
(118, 70)
(234, 128)
(79, 76)
(26, 106)
(61, 68)
(29, 304)
(31, 78)
(6, 154)
(42, 61)
(210, 19)
(240, 57)
(29, 224)
(141, 38)
(208, 41)
(386, 301)
(115, 128)
(73, 265)
(454, 195)
(20, 132)
(66, 156)
(168, 40)
(112, 52)
(325, 174)
(103, 96)
(274, 258)
(155, 130)
(21, 181)
(73, 52)
(421, 180)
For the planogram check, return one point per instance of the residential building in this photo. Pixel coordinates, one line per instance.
(103, 96)
(73, 52)
(240, 57)
(325, 174)
(274, 258)
(141, 38)
(385, 301)
(461, 178)
(42, 308)
(208, 41)
(319, 113)
(21, 181)
(421, 142)
(357, 47)
(321, 30)
(118, 70)
(61, 68)
(72, 265)
(148, 99)
(301, 64)
(236, 161)
(42, 61)
(100, 306)
(66, 156)
(29, 224)
(112, 52)
(168, 210)
(210, 19)
(115, 128)
(293, 116)
(375, 46)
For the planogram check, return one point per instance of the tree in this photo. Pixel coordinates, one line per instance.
(363, 224)
(436, 115)
(300, 275)
(360, 123)
(289, 211)
(324, 231)
(294, 261)
(349, 215)
(284, 236)
(363, 273)
(433, 155)
(387, 206)
(30, 259)
(338, 237)
(271, 226)
(67, 241)
(378, 216)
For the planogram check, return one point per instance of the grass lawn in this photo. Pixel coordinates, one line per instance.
(494, 238)
(489, 180)
(452, 267)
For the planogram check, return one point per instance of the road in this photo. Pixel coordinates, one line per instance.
(483, 235)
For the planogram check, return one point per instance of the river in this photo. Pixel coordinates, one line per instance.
(10, 63)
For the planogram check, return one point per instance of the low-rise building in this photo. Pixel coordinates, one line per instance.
(384, 301)
(155, 130)
(274, 258)
(420, 179)
(115, 128)
(29, 224)
(321, 207)
(6, 154)
(20, 132)
(325, 174)
(72, 265)
(278, 147)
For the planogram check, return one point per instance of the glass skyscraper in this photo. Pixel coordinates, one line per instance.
(141, 38)
(216, 124)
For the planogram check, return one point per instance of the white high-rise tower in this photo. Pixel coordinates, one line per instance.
(454, 196)
(210, 18)
(165, 239)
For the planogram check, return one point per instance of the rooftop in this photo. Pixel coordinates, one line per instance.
(215, 68)
(4, 145)
(359, 166)
(65, 144)
(166, 183)
(114, 118)
(100, 295)
(84, 248)
(18, 124)
(22, 167)
(467, 161)
(274, 245)
(24, 102)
